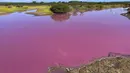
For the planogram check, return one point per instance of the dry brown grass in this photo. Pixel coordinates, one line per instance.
(102, 65)
(108, 65)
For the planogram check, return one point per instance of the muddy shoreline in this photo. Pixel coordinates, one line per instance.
(4, 13)
(36, 13)
(114, 63)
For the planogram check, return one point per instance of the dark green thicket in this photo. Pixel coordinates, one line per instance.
(60, 8)
(128, 10)
(41, 2)
(9, 6)
(34, 2)
(70, 3)
(19, 6)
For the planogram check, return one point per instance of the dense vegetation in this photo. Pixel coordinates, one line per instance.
(128, 10)
(70, 3)
(60, 8)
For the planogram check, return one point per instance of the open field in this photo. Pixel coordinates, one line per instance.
(7, 9)
(40, 9)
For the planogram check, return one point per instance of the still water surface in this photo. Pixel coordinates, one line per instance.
(29, 44)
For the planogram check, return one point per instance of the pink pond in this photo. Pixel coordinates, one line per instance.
(30, 44)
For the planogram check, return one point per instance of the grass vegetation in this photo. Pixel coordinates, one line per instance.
(44, 8)
(102, 65)
(10, 9)
(108, 65)
(40, 10)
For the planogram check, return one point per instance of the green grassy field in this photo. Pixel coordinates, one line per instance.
(40, 9)
(5, 9)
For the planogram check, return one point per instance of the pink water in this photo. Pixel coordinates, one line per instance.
(30, 44)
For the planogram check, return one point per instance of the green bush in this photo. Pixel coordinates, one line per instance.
(60, 8)
(128, 10)
(19, 6)
(34, 2)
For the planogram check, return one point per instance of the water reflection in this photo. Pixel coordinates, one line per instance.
(81, 13)
(75, 13)
(127, 14)
(66, 16)
(78, 12)
(61, 17)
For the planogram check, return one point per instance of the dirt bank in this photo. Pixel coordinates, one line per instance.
(101, 65)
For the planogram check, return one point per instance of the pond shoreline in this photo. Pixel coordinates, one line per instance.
(31, 44)
(100, 65)
(45, 9)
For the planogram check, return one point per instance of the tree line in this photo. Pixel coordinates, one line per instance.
(70, 3)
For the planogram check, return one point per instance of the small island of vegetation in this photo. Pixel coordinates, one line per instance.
(60, 8)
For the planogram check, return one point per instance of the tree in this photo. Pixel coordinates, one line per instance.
(59, 2)
(41, 2)
(34, 2)
(128, 10)
(60, 8)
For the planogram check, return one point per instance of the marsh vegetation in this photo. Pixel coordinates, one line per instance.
(50, 8)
